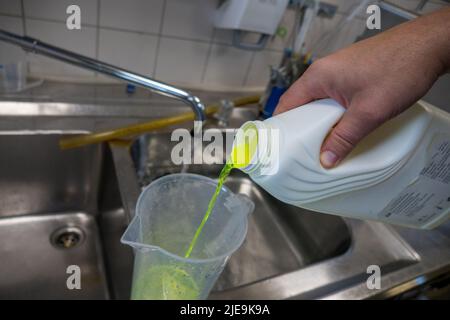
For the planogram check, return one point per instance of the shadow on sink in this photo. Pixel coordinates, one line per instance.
(281, 238)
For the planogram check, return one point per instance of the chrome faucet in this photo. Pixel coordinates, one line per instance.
(39, 47)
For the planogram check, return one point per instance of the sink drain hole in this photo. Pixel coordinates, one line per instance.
(67, 238)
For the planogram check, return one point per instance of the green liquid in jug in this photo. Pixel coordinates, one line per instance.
(173, 282)
(168, 282)
(165, 282)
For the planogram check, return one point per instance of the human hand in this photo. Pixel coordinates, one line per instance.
(374, 79)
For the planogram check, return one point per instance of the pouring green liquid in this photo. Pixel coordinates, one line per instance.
(222, 177)
(241, 155)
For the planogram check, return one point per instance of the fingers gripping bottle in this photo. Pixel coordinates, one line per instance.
(399, 174)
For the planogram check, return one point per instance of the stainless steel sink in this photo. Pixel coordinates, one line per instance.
(62, 208)
(49, 194)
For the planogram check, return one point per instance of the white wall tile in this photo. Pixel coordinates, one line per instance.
(322, 44)
(288, 22)
(80, 41)
(317, 33)
(347, 35)
(56, 10)
(260, 68)
(11, 7)
(227, 66)
(191, 19)
(11, 24)
(135, 15)
(343, 35)
(132, 51)
(222, 36)
(181, 61)
(8, 52)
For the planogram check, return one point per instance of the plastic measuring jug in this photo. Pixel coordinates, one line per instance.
(168, 212)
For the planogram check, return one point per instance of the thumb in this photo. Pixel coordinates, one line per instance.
(349, 131)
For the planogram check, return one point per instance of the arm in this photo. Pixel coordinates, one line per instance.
(375, 79)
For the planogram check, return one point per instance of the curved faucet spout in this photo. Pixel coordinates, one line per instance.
(39, 47)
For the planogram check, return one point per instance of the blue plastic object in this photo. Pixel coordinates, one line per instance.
(272, 101)
(131, 88)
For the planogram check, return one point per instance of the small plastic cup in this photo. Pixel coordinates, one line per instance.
(14, 76)
(168, 213)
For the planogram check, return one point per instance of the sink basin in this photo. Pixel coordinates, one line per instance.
(60, 208)
(66, 209)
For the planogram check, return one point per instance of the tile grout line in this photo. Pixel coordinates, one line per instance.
(158, 41)
(24, 25)
(11, 15)
(97, 32)
(208, 56)
(97, 37)
(250, 64)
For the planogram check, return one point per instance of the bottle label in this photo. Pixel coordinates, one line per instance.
(428, 195)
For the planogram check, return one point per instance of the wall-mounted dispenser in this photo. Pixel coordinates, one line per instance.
(258, 16)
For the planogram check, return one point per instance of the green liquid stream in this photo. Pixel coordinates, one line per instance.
(222, 177)
(241, 154)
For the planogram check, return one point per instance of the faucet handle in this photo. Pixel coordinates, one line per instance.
(224, 113)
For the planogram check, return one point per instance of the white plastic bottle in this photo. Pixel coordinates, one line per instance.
(399, 174)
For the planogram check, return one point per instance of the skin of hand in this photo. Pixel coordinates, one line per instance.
(375, 79)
